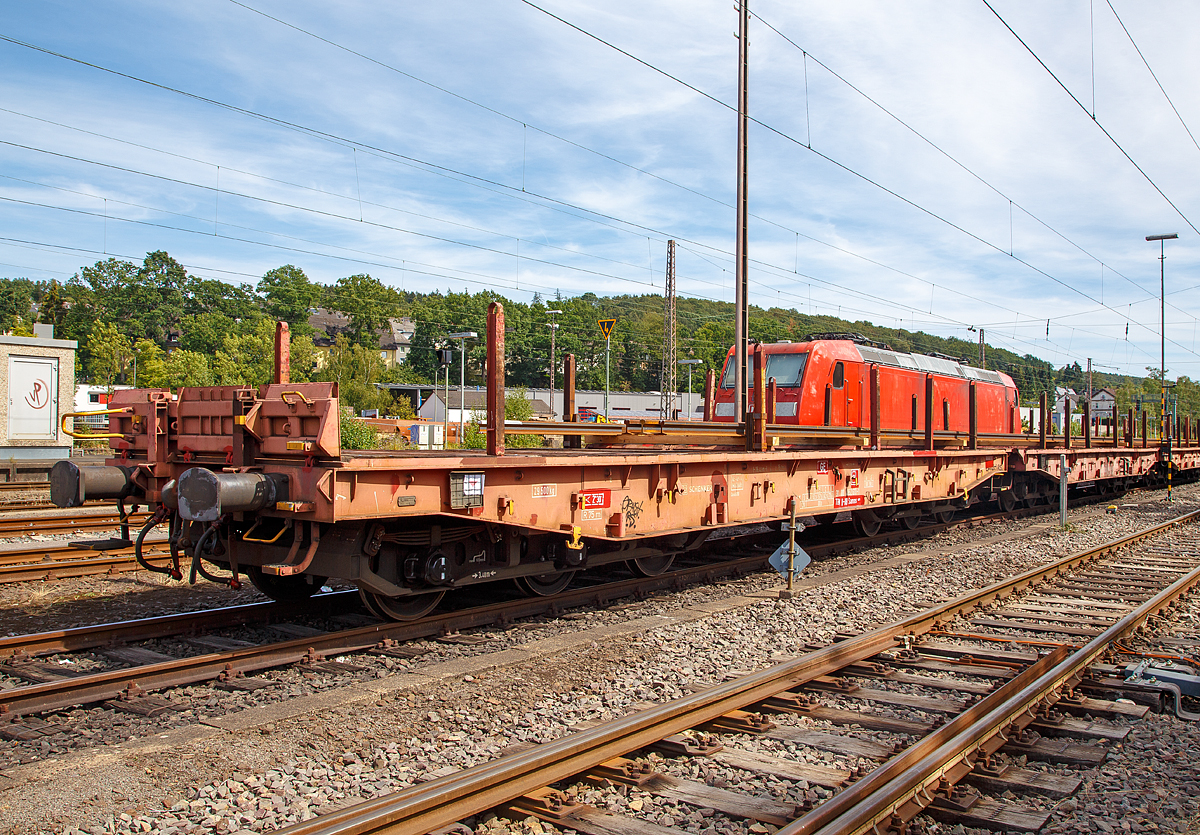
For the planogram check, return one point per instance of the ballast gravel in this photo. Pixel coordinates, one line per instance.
(201, 770)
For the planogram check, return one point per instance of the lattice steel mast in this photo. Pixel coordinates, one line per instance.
(667, 383)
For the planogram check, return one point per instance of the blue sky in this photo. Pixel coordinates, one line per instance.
(471, 145)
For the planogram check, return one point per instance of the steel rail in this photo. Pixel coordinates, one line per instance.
(186, 623)
(87, 567)
(52, 554)
(67, 524)
(442, 802)
(903, 785)
(13, 486)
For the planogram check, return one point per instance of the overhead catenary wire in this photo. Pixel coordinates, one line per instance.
(580, 208)
(1094, 120)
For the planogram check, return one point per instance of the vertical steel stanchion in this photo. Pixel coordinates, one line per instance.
(1062, 491)
(791, 543)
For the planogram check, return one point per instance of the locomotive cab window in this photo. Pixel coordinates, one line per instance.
(839, 376)
(787, 369)
(727, 377)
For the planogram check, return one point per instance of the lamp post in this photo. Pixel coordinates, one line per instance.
(462, 376)
(553, 332)
(689, 364)
(1162, 311)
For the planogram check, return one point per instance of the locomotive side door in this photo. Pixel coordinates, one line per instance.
(835, 396)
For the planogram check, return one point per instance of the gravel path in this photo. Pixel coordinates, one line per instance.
(232, 762)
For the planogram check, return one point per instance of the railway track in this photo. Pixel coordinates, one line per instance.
(67, 524)
(159, 671)
(7, 487)
(1009, 682)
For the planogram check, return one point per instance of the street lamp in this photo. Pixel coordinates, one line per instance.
(1162, 310)
(462, 375)
(689, 364)
(553, 331)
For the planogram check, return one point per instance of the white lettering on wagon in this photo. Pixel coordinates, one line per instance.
(545, 491)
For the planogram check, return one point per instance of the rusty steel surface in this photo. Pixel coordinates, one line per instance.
(620, 494)
(442, 802)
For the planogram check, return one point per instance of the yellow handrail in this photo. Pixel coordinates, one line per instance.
(63, 423)
(284, 397)
(274, 539)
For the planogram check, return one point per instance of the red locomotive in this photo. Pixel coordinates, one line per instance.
(825, 381)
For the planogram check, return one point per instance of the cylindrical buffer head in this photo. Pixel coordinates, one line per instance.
(72, 485)
(205, 496)
(170, 494)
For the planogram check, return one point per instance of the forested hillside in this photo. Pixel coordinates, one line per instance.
(174, 329)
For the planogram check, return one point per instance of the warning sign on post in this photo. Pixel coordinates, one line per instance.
(606, 326)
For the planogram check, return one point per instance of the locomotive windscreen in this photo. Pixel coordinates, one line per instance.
(787, 369)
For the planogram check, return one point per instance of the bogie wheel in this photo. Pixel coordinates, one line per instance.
(944, 516)
(867, 523)
(825, 518)
(412, 607)
(368, 602)
(1007, 500)
(651, 566)
(910, 523)
(545, 585)
(285, 589)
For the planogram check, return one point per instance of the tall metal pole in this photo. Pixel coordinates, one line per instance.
(667, 384)
(462, 376)
(607, 355)
(1089, 400)
(553, 333)
(1163, 438)
(982, 358)
(741, 325)
(689, 403)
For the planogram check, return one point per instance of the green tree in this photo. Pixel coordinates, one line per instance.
(186, 368)
(150, 370)
(288, 296)
(247, 357)
(367, 302)
(52, 309)
(205, 333)
(235, 302)
(109, 354)
(356, 369)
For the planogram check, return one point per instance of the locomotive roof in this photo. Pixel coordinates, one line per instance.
(935, 365)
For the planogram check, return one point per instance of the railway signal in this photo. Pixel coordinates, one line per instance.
(606, 326)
